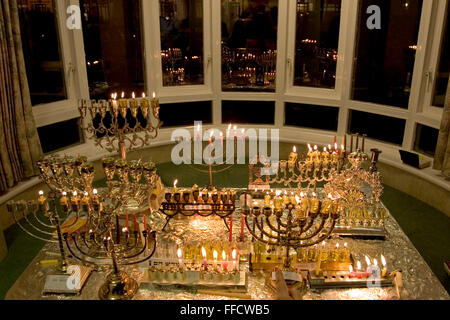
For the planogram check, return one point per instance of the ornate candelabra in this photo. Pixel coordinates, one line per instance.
(120, 124)
(298, 223)
(196, 202)
(67, 174)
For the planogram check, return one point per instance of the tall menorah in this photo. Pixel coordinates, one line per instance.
(299, 223)
(120, 124)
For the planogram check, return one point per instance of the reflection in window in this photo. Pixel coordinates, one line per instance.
(112, 42)
(258, 112)
(385, 57)
(185, 113)
(442, 75)
(41, 49)
(311, 116)
(426, 139)
(249, 45)
(316, 43)
(59, 135)
(377, 126)
(181, 25)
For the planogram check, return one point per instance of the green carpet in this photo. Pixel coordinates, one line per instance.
(427, 228)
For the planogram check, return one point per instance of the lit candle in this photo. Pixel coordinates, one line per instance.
(368, 266)
(384, 270)
(42, 202)
(243, 134)
(180, 256)
(224, 259)
(285, 198)
(175, 186)
(358, 270)
(293, 155)
(314, 204)
(325, 155)
(205, 264)
(64, 202)
(351, 274)
(375, 264)
(114, 103)
(215, 259)
(234, 131)
(234, 257)
(277, 201)
(75, 200)
(267, 199)
(309, 155)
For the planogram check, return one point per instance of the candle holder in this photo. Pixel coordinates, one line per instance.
(207, 204)
(287, 226)
(120, 125)
(67, 173)
(46, 231)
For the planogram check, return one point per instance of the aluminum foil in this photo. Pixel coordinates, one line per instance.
(419, 282)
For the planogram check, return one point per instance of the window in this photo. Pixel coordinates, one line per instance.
(181, 25)
(59, 135)
(384, 58)
(426, 139)
(311, 116)
(42, 52)
(112, 42)
(184, 114)
(316, 43)
(377, 127)
(443, 72)
(258, 112)
(249, 45)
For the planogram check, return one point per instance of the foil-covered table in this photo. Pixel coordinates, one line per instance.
(419, 282)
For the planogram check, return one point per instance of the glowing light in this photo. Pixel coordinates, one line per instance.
(383, 261)
(179, 253)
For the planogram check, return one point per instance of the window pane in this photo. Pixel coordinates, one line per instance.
(311, 116)
(112, 42)
(426, 139)
(249, 45)
(184, 114)
(443, 72)
(262, 112)
(59, 135)
(316, 43)
(377, 127)
(41, 49)
(181, 25)
(385, 57)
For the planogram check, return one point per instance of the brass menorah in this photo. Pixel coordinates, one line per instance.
(120, 124)
(292, 225)
(67, 174)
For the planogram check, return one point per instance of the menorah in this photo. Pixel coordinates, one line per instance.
(196, 202)
(41, 230)
(120, 124)
(67, 174)
(300, 223)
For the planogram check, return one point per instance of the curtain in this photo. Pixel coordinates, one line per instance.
(442, 155)
(19, 141)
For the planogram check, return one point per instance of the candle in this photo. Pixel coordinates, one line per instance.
(375, 269)
(205, 264)
(358, 270)
(267, 199)
(243, 134)
(114, 103)
(224, 259)
(293, 155)
(368, 266)
(75, 200)
(285, 198)
(234, 131)
(384, 270)
(325, 155)
(231, 228)
(175, 185)
(234, 257)
(314, 204)
(215, 259)
(351, 274)
(277, 201)
(180, 256)
(309, 155)
(64, 202)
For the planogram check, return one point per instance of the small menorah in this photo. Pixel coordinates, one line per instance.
(120, 124)
(292, 225)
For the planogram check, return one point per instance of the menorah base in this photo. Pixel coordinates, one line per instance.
(118, 286)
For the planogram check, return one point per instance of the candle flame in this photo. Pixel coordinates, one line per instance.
(315, 147)
(215, 255)
(278, 192)
(367, 260)
(175, 182)
(383, 261)
(229, 126)
(330, 196)
(324, 149)
(86, 193)
(124, 230)
(358, 265)
(154, 95)
(234, 254)
(294, 149)
(314, 194)
(75, 193)
(179, 253)
(342, 147)
(323, 243)
(297, 198)
(302, 194)
(234, 128)
(143, 95)
(122, 95)
(94, 191)
(64, 193)
(41, 193)
(350, 268)
(224, 256)
(345, 244)
(337, 245)
(133, 95)
(335, 146)
(203, 253)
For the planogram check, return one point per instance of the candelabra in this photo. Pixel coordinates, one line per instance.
(202, 203)
(118, 124)
(43, 230)
(292, 225)
(67, 174)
